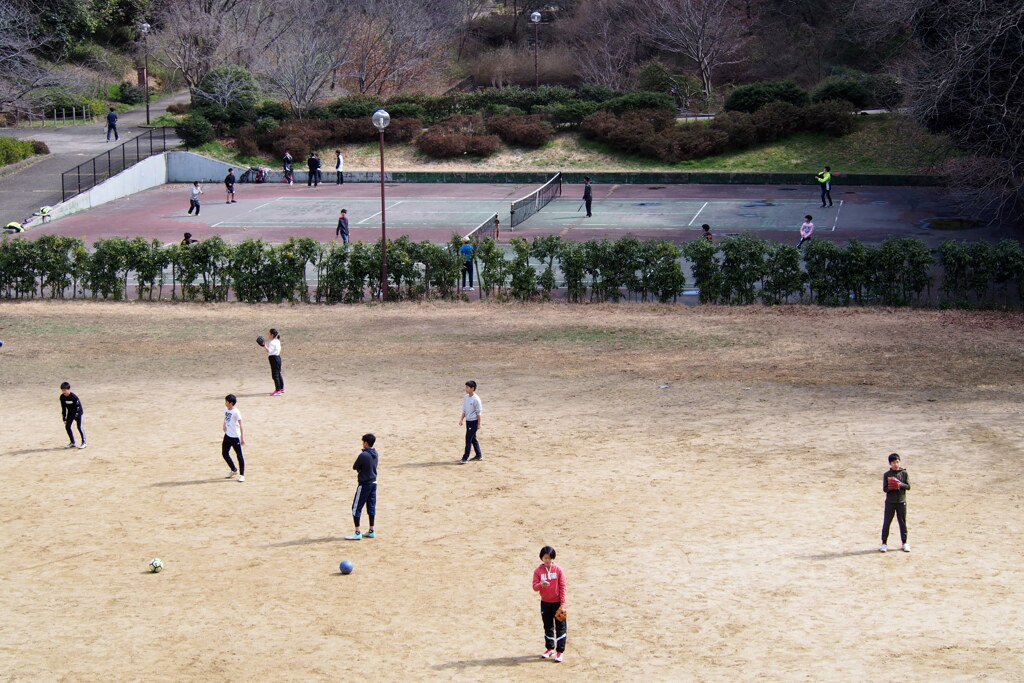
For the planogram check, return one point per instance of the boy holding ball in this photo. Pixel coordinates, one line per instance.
(895, 483)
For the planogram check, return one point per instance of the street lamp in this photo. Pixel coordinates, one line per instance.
(535, 18)
(144, 28)
(381, 119)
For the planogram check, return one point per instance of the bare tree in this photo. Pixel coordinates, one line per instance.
(468, 10)
(392, 42)
(21, 75)
(192, 36)
(708, 32)
(606, 41)
(300, 65)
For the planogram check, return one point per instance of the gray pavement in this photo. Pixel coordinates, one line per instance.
(38, 184)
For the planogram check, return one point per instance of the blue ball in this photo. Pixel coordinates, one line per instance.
(1, 343)
(346, 567)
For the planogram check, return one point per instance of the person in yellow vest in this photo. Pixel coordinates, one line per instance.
(13, 227)
(825, 180)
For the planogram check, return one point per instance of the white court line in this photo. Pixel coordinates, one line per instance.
(834, 223)
(220, 223)
(697, 214)
(378, 213)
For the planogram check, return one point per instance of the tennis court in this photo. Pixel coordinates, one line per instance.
(430, 211)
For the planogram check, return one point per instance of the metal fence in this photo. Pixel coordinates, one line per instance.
(87, 175)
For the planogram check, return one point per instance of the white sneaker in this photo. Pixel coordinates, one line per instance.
(906, 547)
(231, 474)
(547, 654)
(884, 548)
(558, 657)
(241, 477)
(71, 445)
(84, 444)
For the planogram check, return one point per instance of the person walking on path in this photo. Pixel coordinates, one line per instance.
(895, 483)
(707, 232)
(71, 412)
(289, 170)
(825, 180)
(588, 195)
(806, 230)
(342, 230)
(193, 202)
(466, 250)
(549, 581)
(273, 347)
(472, 414)
(339, 167)
(229, 185)
(234, 437)
(366, 487)
(112, 125)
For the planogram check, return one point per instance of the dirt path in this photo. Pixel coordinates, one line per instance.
(723, 527)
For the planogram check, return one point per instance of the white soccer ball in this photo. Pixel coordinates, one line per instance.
(156, 565)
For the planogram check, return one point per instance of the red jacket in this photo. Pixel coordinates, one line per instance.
(555, 590)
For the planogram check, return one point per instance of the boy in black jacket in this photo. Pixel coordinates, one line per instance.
(366, 491)
(71, 412)
(895, 483)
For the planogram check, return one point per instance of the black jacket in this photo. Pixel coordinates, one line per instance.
(900, 495)
(366, 465)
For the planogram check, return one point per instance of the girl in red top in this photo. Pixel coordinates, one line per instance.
(549, 581)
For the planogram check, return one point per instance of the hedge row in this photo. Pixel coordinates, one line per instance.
(655, 133)
(739, 270)
(859, 89)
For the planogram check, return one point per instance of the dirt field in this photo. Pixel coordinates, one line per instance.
(722, 528)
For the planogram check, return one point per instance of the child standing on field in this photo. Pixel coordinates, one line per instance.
(71, 412)
(366, 487)
(895, 483)
(806, 230)
(549, 581)
(234, 437)
(193, 201)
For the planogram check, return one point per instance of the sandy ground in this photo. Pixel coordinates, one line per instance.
(722, 528)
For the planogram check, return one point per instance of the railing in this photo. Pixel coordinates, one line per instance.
(57, 116)
(88, 175)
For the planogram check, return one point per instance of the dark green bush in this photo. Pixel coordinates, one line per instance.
(274, 110)
(856, 92)
(408, 110)
(833, 117)
(129, 93)
(13, 150)
(194, 130)
(750, 98)
(355, 106)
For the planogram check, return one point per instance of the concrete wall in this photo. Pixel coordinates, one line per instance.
(186, 167)
(150, 172)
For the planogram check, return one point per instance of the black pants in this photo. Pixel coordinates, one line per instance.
(70, 420)
(366, 494)
(341, 177)
(467, 270)
(225, 450)
(275, 372)
(588, 201)
(554, 630)
(826, 193)
(112, 129)
(193, 204)
(471, 426)
(801, 242)
(900, 510)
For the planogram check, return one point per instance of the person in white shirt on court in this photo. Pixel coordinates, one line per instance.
(472, 414)
(273, 347)
(234, 437)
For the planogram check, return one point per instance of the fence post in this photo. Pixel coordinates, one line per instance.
(74, 116)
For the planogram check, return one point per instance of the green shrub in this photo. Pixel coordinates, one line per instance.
(833, 117)
(129, 93)
(194, 130)
(655, 77)
(750, 98)
(13, 150)
(856, 92)
(639, 100)
(570, 114)
(227, 97)
(274, 110)
(355, 106)
(408, 110)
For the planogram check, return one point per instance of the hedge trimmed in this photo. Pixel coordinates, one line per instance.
(13, 150)
(738, 270)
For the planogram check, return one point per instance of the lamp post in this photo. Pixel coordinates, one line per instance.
(381, 119)
(144, 28)
(535, 18)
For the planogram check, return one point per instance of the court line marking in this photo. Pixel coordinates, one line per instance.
(834, 223)
(697, 214)
(378, 212)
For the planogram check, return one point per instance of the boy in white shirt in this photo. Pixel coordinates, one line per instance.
(472, 414)
(234, 437)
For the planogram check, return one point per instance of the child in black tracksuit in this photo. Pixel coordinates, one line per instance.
(71, 413)
(895, 483)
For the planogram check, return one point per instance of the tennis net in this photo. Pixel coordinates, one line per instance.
(536, 200)
(489, 228)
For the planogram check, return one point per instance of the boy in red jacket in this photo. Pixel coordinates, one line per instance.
(549, 581)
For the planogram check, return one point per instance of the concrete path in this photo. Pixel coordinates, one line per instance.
(38, 183)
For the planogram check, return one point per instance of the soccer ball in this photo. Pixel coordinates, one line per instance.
(156, 565)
